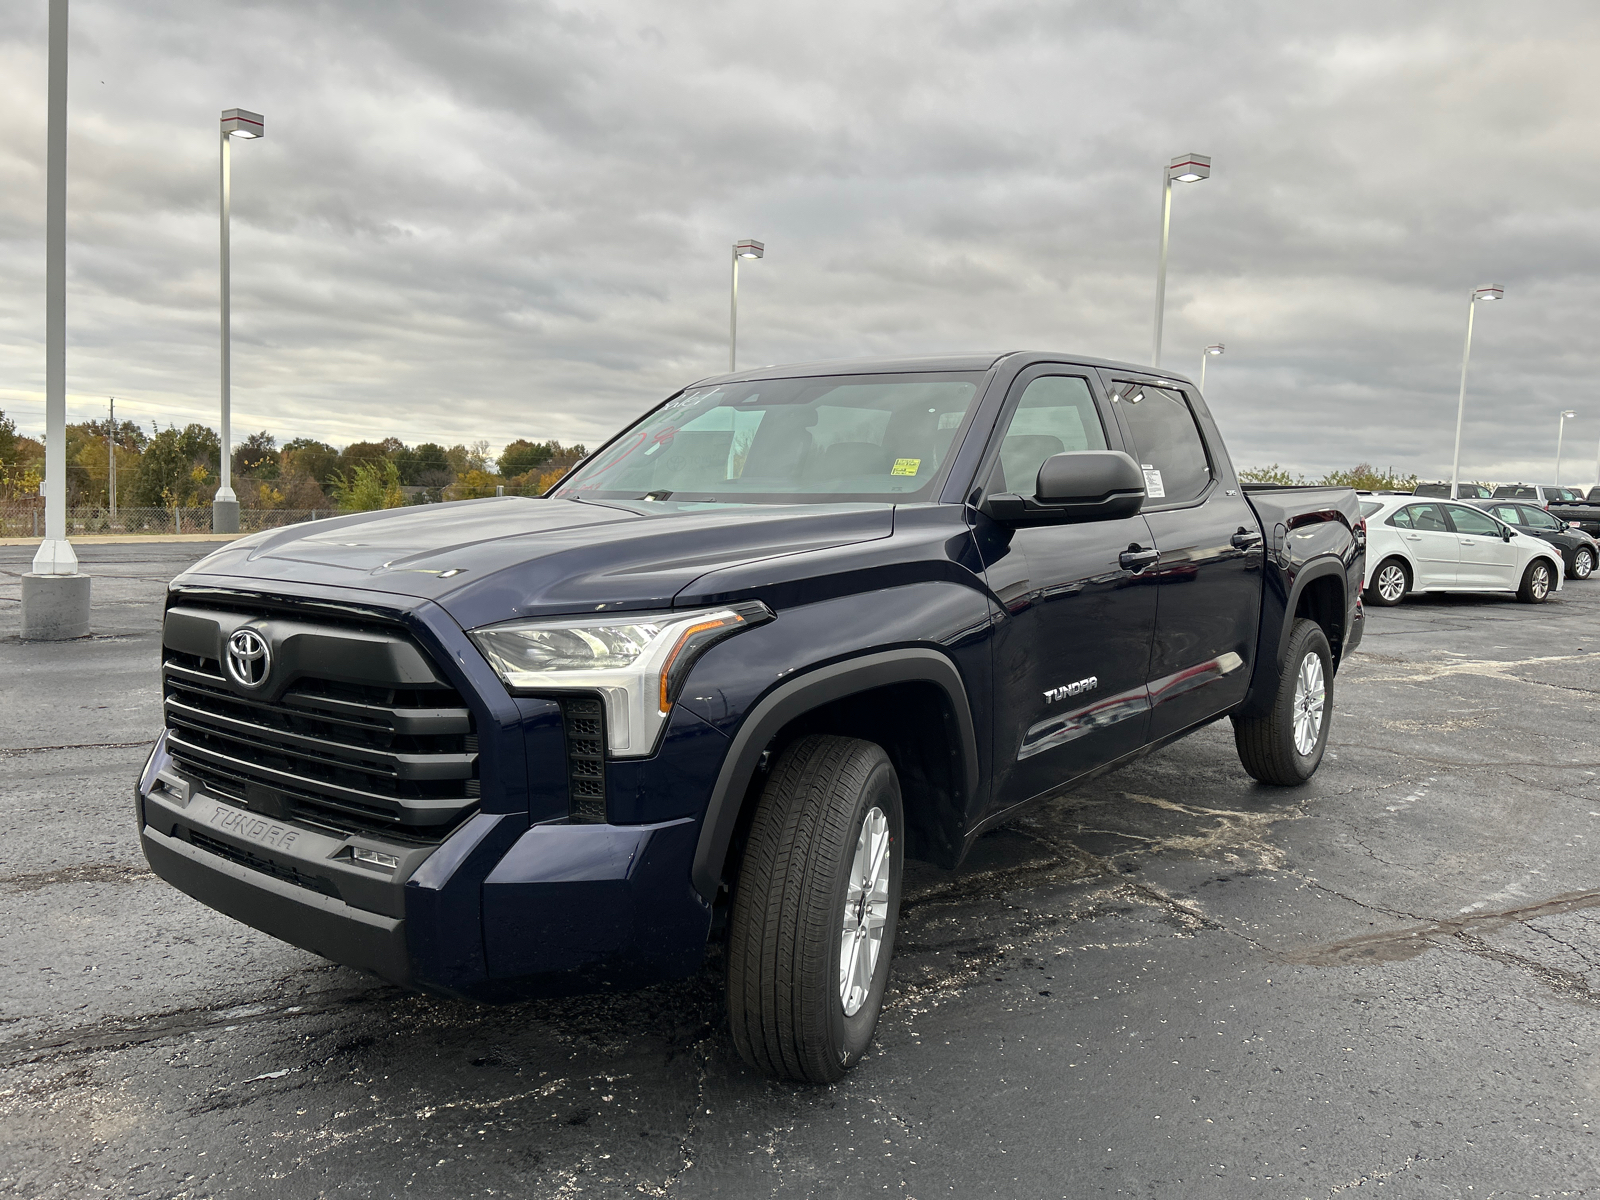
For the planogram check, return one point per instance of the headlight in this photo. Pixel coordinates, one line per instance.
(635, 661)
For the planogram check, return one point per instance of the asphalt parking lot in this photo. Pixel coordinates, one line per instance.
(1175, 984)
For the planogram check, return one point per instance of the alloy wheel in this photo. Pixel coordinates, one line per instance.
(866, 910)
(1539, 585)
(1391, 582)
(1583, 563)
(1310, 699)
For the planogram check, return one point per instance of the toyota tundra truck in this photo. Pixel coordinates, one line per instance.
(788, 629)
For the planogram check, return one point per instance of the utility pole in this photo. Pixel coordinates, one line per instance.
(55, 596)
(111, 438)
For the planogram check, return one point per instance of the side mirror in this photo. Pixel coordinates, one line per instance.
(1507, 534)
(1081, 485)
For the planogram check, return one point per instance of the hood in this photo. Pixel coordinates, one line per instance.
(504, 557)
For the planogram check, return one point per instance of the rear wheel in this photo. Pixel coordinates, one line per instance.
(814, 911)
(1285, 746)
(1582, 563)
(1535, 582)
(1389, 584)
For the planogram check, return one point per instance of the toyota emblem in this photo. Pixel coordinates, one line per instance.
(248, 658)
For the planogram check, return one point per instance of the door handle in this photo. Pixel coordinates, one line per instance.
(1467, 541)
(1136, 558)
(1246, 539)
(1413, 537)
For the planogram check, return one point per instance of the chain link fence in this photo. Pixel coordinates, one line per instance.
(27, 520)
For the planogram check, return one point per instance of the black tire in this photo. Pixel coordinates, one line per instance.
(786, 1004)
(1380, 583)
(1582, 563)
(1537, 581)
(1267, 744)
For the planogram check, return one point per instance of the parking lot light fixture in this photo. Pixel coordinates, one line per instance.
(1560, 430)
(236, 123)
(749, 248)
(1489, 292)
(1207, 354)
(1185, 168)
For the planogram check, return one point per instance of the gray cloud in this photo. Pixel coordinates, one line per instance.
(495, 219)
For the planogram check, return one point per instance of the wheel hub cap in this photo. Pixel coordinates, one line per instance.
(1310, 699)
(866, 912)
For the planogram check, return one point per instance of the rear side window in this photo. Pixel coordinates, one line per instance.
(1420, 516)
(1166, 440)
(1056, 414)
(1472, 521)
(1368, 507)
(1508, 513)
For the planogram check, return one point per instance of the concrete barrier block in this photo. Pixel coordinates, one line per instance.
(54, 607)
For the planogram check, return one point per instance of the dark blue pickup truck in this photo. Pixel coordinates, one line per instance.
(790, 627)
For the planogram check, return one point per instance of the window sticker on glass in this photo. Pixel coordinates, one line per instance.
(905, 466)
(1152, 483)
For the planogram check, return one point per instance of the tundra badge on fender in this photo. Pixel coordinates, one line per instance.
(1072, 689)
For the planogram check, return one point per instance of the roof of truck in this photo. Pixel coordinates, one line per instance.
(971, 361)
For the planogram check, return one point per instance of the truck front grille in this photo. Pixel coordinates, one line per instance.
(584, 720)
(368, 756)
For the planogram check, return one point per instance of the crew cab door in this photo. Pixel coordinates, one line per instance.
(1486, 559)
(1077, 613)
(1209, 575)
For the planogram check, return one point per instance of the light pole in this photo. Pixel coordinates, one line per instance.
(1186, 168)
(1489, 292)
(1560, 430)
(111, 460)
(236, 122)
(749, 248)
(55, 596)
(1209, 352)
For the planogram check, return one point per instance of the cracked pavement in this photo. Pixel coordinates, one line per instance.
(1174, 982)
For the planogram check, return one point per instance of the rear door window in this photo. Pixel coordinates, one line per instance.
(1421, 516)
(1509, 513)
(1537, 518)
(1473, 522)
(1167, 443)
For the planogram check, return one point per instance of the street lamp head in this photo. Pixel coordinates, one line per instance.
(1568, 415)
(1216, 349)
(1489, 293)
(1187, 168)
(241, 122)
(749, 248)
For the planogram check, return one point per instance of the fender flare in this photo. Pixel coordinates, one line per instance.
(1319, 569)
(796, 697)
(1264, 672)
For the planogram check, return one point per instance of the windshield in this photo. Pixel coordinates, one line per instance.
(787, 441)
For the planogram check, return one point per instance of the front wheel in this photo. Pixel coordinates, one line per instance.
(814, 912)
(1535, 582)
(1582, 563)
(1285, 746)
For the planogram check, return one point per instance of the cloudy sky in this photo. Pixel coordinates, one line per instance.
(503, 218)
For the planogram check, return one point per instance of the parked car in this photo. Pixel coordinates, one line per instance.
(788, 628)
(1541, 494)
(1448, 546)
(1578, 548)
(1464, 491)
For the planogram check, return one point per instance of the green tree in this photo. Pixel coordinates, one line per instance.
(257, 456)
(8, 438)
(307, 456)
(176, 467)
(1272, 474)
(1365, 477)
(369, 485)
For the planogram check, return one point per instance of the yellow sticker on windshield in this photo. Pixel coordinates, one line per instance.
(905, 466)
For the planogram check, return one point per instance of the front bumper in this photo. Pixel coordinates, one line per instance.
(499, 910)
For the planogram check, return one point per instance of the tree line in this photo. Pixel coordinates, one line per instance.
(182, 467)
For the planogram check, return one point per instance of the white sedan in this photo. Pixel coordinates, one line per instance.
(1441, 546)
